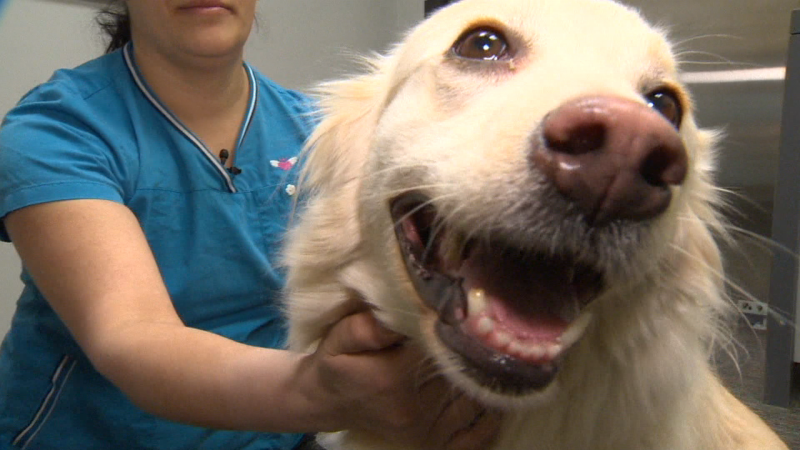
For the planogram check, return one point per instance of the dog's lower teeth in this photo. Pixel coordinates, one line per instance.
(502, 338)
(553, 351)
(535, 352)
(485, 325)
(527, 348)
(506, 342)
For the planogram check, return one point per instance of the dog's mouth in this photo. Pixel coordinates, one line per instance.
(510, 314)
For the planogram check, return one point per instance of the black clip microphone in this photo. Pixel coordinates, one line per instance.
(224, 154)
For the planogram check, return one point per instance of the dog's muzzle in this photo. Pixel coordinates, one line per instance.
(509, 314)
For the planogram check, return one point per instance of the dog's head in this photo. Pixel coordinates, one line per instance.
(514, 173)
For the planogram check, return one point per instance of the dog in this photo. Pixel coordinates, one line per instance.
(521, 188)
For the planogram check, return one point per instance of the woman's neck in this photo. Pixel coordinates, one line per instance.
(209, 97)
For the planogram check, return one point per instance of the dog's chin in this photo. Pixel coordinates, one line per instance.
(507, 315)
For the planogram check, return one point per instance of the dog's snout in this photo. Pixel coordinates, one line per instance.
(613, 157)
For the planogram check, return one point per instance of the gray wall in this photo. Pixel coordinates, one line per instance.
(297, 43)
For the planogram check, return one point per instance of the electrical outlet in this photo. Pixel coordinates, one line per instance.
(755, 312)
(753, 307)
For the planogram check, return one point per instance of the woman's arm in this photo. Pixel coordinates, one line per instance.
(92, 262)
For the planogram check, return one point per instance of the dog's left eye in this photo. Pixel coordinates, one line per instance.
(482, 43)
(666, 102)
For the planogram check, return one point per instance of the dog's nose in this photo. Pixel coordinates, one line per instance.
(613, 157)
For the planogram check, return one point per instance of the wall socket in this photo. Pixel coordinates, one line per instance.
(756, 313)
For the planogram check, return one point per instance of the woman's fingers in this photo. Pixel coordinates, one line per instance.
(357, 333)
(395, 392)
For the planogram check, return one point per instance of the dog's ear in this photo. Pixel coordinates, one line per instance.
(338, 149)
(327, 235)
(332, 167)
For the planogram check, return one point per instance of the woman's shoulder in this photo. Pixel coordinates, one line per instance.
(67, 130)
(78, 84)
(88, 102)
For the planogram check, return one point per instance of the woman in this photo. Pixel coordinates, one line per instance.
(146, 192)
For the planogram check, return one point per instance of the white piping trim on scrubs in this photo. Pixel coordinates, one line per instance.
(184, 129)
(49, 402)
(251, 108)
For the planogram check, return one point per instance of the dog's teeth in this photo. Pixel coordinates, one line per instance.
(516, 348)
(485, 325)
(526, 351)
(576, 330)
(502, 338)
(535, 351)
(554, 350)
(476, 301)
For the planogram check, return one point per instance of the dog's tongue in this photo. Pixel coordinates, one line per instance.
(526, 297)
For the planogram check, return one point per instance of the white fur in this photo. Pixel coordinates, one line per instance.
(639, 379)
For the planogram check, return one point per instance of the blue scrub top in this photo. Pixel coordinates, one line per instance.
(99, 132)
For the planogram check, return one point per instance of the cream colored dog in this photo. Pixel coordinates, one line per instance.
(520, 187)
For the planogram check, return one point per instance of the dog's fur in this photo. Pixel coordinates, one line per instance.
(459, 131)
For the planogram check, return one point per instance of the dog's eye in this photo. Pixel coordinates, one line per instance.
(482, 43)
(667, 103)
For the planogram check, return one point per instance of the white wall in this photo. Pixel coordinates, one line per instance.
(297, 43)
(300, 42)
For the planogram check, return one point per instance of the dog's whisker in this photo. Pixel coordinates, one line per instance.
(763, 242)
(707, 37)
(724, 193)
(720, 334)
(689, 63)
(383, 172)
(715, 60)
(781, 316)
(417, 208)
(420, 187)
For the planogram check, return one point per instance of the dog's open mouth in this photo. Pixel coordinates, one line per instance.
(509, 314)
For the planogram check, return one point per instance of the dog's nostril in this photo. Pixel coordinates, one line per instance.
(663, 166)
(578, 140)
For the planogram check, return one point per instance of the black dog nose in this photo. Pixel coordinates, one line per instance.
(613, 157)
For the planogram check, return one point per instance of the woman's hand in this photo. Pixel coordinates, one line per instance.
(373, 380)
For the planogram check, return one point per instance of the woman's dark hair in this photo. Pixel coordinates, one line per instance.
(116, 25)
